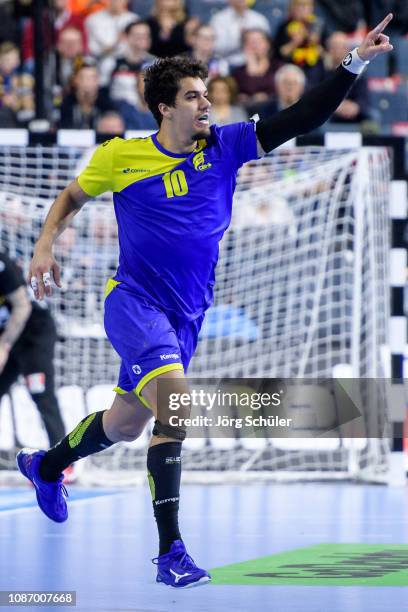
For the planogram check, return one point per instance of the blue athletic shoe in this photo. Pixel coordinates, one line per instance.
(50, 495)
(177, 569)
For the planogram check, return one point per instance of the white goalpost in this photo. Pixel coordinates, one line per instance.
(302, 292)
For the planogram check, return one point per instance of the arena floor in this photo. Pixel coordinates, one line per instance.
(103, 551)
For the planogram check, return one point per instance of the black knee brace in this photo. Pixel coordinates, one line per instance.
(170, 431)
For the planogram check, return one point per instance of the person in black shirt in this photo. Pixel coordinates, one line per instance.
(300, 38)
(84, 104)
(170, 28)
(27, 339)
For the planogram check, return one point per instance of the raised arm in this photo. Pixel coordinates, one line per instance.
(43, 267)
(317, 106)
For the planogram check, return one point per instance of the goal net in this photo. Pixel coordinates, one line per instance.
(302, 292)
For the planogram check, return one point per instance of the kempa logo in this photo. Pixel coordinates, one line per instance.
(134, 170)
(158, 502)
(348, 59)
(136, 369)
(199, 162)
(169, 356)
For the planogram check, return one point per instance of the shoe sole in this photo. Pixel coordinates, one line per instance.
(200, 582)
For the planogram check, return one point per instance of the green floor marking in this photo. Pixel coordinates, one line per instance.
(324, 564)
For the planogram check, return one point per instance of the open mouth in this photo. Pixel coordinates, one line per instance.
(203, 120)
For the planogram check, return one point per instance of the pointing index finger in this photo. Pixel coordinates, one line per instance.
(383, 24)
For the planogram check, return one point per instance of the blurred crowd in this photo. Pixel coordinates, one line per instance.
(261, 55)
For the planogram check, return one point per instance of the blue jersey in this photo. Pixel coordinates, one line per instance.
(172, 211)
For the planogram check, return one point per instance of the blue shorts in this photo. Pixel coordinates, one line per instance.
(147, 343)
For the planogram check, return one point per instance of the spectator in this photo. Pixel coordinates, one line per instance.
(128, 68)
(70, 51)
(228, 25)
(84, 8)
(105, 35)
(290, 84)
(68, 57)
(170, 28)
(62, 17)
(299, 40)
(9, 68)
(256, 78)
(222, 93)
(202, 43)
(355, 107)
(110, 123)
(16, 88)
(86, 102)
(137, 116)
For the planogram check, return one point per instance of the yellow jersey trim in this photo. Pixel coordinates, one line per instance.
(118, 163)
(110, 285)
(139, 158)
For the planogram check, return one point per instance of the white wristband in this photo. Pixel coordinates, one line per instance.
(353, 62)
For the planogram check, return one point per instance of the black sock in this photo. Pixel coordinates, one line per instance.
(87, 438)
(164, 473)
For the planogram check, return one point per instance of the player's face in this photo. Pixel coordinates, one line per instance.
(190, 113)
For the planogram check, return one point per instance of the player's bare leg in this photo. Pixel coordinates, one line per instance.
(126, 419)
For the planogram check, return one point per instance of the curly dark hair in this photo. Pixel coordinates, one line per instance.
(162, 81)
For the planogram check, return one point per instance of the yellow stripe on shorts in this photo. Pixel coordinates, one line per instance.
(147, 378)
(110, 285)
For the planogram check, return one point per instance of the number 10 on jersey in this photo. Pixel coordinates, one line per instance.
(175, 183)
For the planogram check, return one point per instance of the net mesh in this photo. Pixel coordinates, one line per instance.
(301, 290)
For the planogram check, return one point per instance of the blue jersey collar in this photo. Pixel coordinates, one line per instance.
(165, 151)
